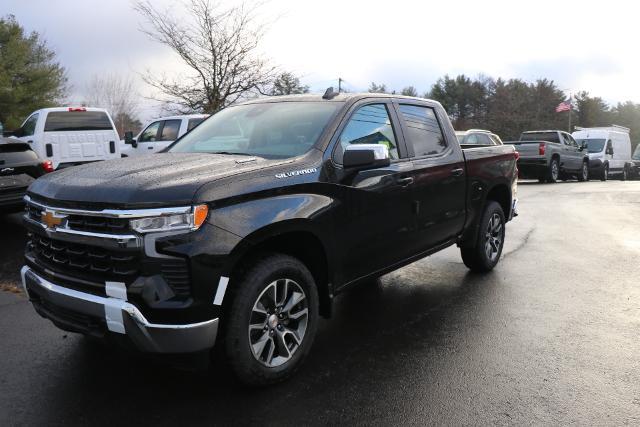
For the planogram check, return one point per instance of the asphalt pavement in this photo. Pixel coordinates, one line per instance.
(549, 337)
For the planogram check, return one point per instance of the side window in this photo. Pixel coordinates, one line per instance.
(369, 124)
(150, 134)
(571, 141)
(170, 130)
(29, 126)
(193, 123)
(424, 131)
(495, 140)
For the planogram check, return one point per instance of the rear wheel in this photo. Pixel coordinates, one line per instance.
(625, 174)
(554, 171)
(583, 175)
(272, 320)
(486, 253)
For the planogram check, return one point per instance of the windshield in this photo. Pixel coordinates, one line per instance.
(540, 136)
(272, 130)
(593, 145)
(636, 154)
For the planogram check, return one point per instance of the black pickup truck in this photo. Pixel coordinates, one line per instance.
(19, 167)
(244, 230)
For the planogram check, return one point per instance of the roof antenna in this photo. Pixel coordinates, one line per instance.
(329, 93)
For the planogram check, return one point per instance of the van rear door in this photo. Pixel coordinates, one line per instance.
(78, 136)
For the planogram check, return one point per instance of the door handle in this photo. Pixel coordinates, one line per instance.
(404, 182)
(457, 172)
(149, 148)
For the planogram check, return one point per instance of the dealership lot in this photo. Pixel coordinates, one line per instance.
(550, 336)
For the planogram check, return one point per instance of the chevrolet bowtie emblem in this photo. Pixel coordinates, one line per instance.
(50, 219)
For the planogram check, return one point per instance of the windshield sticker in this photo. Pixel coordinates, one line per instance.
(296, 173)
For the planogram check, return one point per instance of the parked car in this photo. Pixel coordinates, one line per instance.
(635, 163)
(549, 155)
(69, 136)
(478, 137)
(159, 134)
(248, 231)
(609, 150)
(19, 167)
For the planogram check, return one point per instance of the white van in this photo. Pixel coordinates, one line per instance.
(609, 150)
(69, 136)
(159, 134)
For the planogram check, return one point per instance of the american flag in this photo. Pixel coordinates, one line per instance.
(563, 106)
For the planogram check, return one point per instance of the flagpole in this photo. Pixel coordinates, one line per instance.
(570, 109)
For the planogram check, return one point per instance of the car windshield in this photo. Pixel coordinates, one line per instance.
(540, 136)
(593, 145)
(636, 154)
(273, 130)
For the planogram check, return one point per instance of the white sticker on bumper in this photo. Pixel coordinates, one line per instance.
(222, 288)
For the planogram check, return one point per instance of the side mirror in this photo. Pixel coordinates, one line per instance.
(128, 139)
(366, 156)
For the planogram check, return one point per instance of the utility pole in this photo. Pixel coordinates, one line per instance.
(339, 84)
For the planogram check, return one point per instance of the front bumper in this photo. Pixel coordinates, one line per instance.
(82, 312)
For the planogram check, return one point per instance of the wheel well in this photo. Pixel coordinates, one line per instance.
(304, 246)
(555, 156)
(502, 195)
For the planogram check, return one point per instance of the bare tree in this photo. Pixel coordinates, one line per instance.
(409, 91)
(116, 93)
(220, 48)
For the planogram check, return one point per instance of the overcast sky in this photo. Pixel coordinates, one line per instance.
(581, 45)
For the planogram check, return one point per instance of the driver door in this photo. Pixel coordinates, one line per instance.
(375, 220)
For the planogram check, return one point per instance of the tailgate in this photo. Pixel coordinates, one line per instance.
(82, 146)
(526, 149)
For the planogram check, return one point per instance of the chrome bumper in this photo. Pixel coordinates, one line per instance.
(122, 317)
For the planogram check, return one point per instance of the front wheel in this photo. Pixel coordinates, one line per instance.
(625, 174)
(605, 173)
(484, 256)
(583, 175)
(272, 320)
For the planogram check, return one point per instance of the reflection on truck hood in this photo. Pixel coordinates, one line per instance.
(158, 179)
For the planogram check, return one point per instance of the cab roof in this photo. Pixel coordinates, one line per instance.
(340, 97)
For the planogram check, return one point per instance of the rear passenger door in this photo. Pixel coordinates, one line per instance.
(169, 131)
(439, 186)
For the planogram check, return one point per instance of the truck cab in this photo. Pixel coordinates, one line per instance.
(159, 134)
(69, 136)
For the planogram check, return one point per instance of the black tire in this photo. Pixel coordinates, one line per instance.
(542, 180)
(476, 258)
(249, 288)
(583, 175)
(554, 171)
(625, 174)
(605, 172)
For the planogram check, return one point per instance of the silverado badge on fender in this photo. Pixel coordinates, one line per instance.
(296, 173)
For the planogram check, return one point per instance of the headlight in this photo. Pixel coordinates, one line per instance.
(186, 221)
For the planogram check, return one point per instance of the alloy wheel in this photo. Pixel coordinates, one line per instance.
(493, 237)
(278, 322)
(554, 170)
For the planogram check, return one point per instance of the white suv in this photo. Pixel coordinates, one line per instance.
(159, 134)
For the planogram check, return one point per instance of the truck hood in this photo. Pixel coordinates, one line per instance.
(153, 180)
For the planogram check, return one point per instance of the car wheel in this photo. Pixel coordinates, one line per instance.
(625, 174)
(605, 173)
(542, 180)
(584, 172)
(484, 256)
(554, 171)
(272, 320)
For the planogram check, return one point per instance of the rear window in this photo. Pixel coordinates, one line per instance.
(65, 121)
(540, 136)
